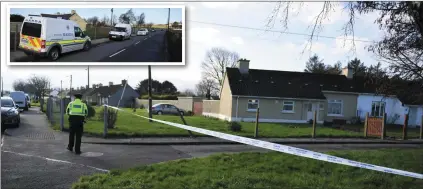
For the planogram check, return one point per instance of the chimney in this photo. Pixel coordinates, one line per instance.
(124, 82)
(110, 83)
(243, 65)
(73, 12)
(348, 72)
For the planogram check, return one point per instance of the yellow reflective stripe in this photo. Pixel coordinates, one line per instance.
(66, 42)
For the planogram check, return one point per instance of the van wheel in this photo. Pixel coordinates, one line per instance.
(26, 108)
(122, 38)
(87, 46)
(54, 54)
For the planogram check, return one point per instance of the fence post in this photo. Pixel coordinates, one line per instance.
(50, 108)
(106, 120)
(42, 104)
(16, 37)
(365, 125)
(62, 114)
(257, 123)
(313, 135)
(404, 128)
(421, 129)
(383, 135)
(95, 32)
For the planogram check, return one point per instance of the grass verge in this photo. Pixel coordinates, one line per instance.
(268, 170)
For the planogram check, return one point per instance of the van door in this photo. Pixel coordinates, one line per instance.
(30, 37)
(79, 40)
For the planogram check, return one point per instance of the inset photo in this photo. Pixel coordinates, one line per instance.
(84, 35)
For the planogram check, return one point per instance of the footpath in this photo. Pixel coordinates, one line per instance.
(18, 54)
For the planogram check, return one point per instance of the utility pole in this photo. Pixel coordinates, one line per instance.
(88, 70)
(168, 19)
(2, 83)
(70, 89)
(111, 17)
(150, 100)
(61, 90)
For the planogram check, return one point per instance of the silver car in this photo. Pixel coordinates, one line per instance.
(162, 108)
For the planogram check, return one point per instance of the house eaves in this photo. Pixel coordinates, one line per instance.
(278, 98)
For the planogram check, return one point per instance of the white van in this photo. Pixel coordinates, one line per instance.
(51, 37)
(20, 99)
(121, 32)
(28, 98)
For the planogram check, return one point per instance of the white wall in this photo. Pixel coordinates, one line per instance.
(392, 106)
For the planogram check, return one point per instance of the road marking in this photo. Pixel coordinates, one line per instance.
(116, 53)
(56, 160)
(137, 42)
(2, 141)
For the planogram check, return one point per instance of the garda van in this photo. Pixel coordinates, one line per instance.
(51, 37)
(121, 32)
(20, 99)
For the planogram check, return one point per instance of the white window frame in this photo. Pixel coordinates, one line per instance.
(284, 104)
(337, 102)
(250, 101)
(380, 105)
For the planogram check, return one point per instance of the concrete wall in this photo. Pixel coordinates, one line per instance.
(185, 103)
(226, 101)
(349, 105)
(211, 106)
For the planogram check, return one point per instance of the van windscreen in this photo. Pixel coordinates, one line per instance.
(31, 29)
(119, 29)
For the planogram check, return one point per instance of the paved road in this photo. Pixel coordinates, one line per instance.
(35, 157)
(137, 49)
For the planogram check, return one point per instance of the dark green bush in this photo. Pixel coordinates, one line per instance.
(91, 111)
(234, 126)
(111, 117)
(190, 113)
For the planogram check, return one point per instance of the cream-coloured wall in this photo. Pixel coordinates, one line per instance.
(349, 105)
(226, 107)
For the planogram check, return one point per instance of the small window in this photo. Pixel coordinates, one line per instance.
(378, 109)
(321, 106)
(78, 32)
(252, 105)
(288, 106)
(335, 107)
(31, 29)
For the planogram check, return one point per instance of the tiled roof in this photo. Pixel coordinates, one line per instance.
(286, 84)
(106, 90)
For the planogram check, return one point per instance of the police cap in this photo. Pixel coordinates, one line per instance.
(77, 95)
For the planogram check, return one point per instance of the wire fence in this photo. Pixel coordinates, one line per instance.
(55, 109)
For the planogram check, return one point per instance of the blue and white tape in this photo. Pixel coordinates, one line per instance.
(285, 149)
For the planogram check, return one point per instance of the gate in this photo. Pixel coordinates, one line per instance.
(374, 126)
(198, 108)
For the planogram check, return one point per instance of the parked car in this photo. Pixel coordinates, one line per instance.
(51, 37)
(168, 109)
(29, 100)
(152, 30)
(9, 113)
(142, 31)
(20, 99)
(120, 32)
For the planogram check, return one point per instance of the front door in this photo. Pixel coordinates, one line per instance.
(309, 110)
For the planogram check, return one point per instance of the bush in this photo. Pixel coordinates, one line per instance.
(355, 120)
(234, 126)
(190, 113)
(91, 111)
(111, 117)
(161, 97)
(310, 121)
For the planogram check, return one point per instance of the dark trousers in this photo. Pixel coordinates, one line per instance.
(75, 134)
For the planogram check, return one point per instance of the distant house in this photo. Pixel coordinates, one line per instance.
(111, 94)
(72, 16)
(177, 27)
(293, 97)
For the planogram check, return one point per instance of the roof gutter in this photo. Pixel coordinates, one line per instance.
(339, 92)
(277, 98)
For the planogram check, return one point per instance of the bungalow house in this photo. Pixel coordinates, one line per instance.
(111, 94)
(72, 16)
(291, 97)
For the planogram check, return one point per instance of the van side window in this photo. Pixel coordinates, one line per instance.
(78, 32)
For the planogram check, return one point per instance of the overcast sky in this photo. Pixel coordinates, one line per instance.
(266, 50)
(155, 15)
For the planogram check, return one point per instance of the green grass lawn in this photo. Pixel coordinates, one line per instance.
(33, 104)
(132, 126)
(266, 170)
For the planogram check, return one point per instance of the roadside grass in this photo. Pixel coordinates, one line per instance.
(35, 104)
(266, 170)
(129, 125)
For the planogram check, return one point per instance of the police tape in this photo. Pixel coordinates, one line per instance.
(284, 148)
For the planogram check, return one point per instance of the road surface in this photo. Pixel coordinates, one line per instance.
(148, 48)
(33, 156)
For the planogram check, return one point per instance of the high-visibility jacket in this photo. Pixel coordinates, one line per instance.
(77, 108)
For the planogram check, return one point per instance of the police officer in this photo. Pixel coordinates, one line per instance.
(77, 111)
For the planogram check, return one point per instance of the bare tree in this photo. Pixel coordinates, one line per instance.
(188, 92)
(19, 85)
(149, 25)
(141, 19)
(215, 64)
(207, 87)
(93, 20)
(128, 17)
(40, 84)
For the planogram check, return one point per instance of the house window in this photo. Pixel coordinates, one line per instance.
(321, 106)
(252, 105)
(335, 107)
(288, 106)
(378, 109)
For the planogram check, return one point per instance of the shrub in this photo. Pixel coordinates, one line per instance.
(161, 97)
(310, 121)
(234, 126)
(111, 117)
(355, 120)
(190, 113)
(91, 111)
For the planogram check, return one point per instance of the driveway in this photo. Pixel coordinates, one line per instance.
(148, 48)
(33, 156)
